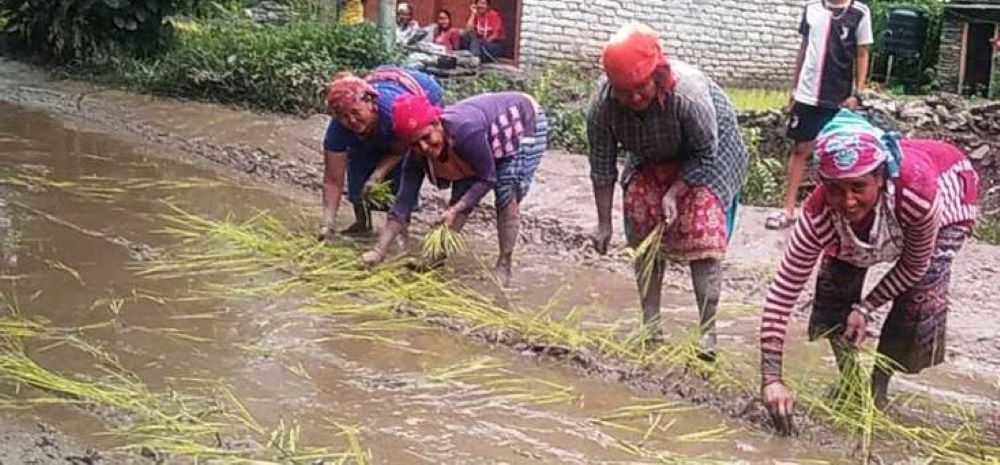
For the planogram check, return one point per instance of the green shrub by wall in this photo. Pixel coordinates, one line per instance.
(280, 68)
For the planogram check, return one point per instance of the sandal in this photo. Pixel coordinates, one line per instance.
(779, 220)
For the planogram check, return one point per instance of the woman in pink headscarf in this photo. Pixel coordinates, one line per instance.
(489, 142)
(912, 202)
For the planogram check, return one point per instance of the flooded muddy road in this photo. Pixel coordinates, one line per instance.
(79, 216)
(86, 202)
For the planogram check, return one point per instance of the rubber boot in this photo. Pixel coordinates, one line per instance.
(362, 226)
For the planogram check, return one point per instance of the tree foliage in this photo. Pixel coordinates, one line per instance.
(73, 30)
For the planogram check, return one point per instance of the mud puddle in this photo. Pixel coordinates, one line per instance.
(79, 214)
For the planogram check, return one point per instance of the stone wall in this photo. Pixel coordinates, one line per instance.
(950, 54)
(748, 42)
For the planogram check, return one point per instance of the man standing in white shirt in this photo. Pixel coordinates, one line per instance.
(832, 67)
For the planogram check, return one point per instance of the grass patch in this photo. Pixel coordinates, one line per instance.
(746, 100)
(988, 230)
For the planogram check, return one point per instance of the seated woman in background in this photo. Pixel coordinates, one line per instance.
(442, 33)
(484, 34)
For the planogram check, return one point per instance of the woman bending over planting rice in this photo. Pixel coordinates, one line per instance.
(360, 141)
(686, 161)
(880, 200)
(490, 141)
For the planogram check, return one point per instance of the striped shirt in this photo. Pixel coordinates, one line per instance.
(936, 187)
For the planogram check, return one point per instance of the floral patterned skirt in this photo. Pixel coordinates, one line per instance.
(701, 229)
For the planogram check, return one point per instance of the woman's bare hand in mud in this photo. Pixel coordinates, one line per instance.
(780, 403)
(856, 329)
(601, 238)
(371, 258)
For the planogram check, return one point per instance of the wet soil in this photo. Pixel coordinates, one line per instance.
(558, 212)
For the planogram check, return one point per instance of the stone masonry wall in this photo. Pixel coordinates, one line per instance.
(737, 42)
(950, 54)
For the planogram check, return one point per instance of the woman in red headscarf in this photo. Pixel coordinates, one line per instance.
(686, 162)
(881, 200)
(359, 144)
(487, 142)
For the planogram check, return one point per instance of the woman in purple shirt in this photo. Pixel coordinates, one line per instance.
(490, 141)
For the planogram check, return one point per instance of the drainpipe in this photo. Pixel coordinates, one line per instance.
(387, 22)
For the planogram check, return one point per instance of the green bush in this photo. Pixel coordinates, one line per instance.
(280, 68)
(67, 31)
(764, 184)
(563, 90)
(919, 73)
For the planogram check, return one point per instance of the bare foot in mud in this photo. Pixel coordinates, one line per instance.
(502, 273)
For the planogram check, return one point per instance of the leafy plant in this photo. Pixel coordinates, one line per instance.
(920, 69)
(279, 68)
(73, 30)
(764, 182)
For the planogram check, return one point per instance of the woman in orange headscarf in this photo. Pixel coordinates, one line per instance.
(685, 165)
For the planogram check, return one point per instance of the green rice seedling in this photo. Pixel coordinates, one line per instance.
(57, 265)
(647, 256)
(709, 435)
(472, 366)
(381, 196)
(330, 277)
(441, 242)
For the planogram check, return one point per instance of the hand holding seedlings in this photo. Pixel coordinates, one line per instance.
(780, 403)
(856, 328)
(448, 218)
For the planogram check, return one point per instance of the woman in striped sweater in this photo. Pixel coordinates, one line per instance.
(881, 200)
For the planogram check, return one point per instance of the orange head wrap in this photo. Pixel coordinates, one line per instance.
(632, 55)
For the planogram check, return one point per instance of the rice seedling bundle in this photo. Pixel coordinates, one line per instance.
(442, 242)
(381, 196)
(647, 255)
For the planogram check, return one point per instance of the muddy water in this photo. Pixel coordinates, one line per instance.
(68, 255)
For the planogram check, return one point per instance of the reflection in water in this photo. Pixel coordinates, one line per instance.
(9, 234)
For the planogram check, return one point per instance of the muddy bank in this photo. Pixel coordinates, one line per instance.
(41, 444)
